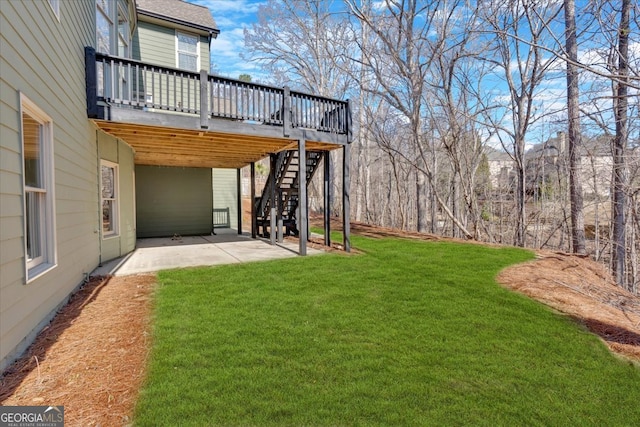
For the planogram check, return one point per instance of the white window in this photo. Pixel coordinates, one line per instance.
(104, 26)
(123, 32)
(109, 198)
(37, 155)
(55, 5)
(187, 51)
(113, 28)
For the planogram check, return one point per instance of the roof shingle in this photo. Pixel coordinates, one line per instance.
(179, 11)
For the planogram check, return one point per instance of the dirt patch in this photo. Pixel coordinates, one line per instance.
(91, 358)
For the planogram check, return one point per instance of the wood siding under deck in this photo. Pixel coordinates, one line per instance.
(164, 146)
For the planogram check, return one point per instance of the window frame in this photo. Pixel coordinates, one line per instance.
(47, 258)
(115, 211)
(178, 51)
(112, 11)
(108, 15)
(55, 6)
(126, 41)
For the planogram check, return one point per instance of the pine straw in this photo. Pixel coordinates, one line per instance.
(581, 288)
(91, 358)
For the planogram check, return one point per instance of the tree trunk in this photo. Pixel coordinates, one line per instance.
(421, 201)
(575, 140)
(619, 146)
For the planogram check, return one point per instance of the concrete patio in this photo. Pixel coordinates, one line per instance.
(226, 247)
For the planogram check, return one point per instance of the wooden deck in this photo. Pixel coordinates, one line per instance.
(173, 117)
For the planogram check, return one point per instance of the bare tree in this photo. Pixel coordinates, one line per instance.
(613, 63)
(519, 30)
(397, 57)
(620, 141)
(298, 43)
(575, 138)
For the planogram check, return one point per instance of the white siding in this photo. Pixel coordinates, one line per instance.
(43, 57)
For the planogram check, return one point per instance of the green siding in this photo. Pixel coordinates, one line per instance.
(116, 151)
(43, 58)
(156, 44)
(225, 193)
(172, 200)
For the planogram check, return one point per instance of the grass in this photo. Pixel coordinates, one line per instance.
(409, 333)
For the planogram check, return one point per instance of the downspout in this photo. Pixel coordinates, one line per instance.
(98, 181)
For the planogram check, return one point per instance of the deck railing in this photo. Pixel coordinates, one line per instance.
(123, 82)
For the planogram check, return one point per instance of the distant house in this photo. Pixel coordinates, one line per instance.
(112, 129)
(501, 168)
(547, 166)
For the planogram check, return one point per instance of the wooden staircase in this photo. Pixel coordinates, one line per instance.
(287, 184)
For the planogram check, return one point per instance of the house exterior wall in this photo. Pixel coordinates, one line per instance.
(42, 57)
(499, 171)
(596, 175)
(156, 44)
(124, 241)
(225, 193)
(173, 200)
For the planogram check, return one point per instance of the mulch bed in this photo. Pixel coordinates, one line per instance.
(91, 358)
(584, 290)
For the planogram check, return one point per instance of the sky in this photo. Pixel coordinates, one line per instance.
(232, 17)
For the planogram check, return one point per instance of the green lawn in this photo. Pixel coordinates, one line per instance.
(408, 333)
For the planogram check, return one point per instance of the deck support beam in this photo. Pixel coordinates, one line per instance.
(346, 208)
(254, 219)
(272, 195)
(239, 195)
(327, 197)
(279, 209)
(303, 220)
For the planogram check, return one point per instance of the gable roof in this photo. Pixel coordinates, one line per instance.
(179, 12)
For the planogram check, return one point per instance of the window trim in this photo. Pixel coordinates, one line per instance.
(48, 259)
(111, 13)
(55, 7)
(116, 199)
(108, 15)
(127, 41)
(197, 37)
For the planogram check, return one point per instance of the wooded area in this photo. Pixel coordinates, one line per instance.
(513, 122)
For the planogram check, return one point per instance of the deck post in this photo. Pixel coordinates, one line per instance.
(327, 199)
(303, 220)
(286, 112)
(239, 195)
(91, 81)
(346, 225)
(204, 105)
(279, 210)
(254, 219)
(349, 123)
(272, 195)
